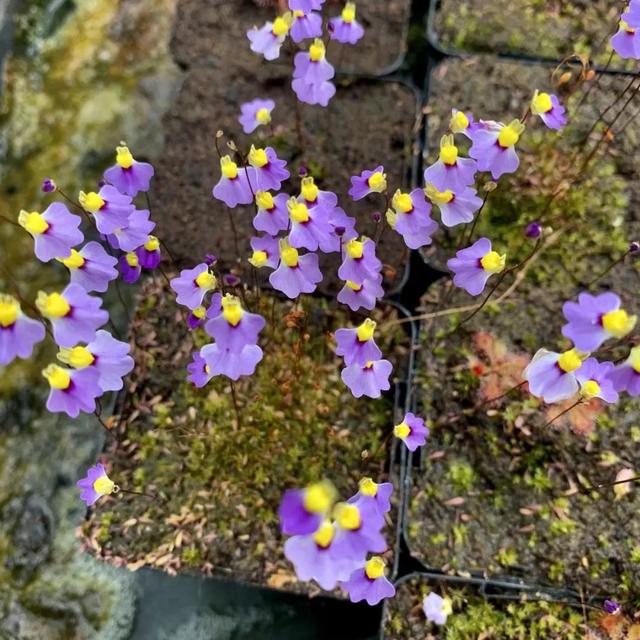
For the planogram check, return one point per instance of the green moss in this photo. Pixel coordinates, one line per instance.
(461, 475)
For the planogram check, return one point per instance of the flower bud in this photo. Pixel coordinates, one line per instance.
(611, 607)
(634, 247)
(533, 230)
(48, 185)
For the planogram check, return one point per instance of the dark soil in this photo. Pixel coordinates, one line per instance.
(366, 123)
(553, 29)
(213, 33)
(223, 475)
(522, 490)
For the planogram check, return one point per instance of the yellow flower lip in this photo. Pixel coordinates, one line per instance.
(590, 389)
(324, 535)
(104, 486)
(232, 310)
(124, 157)
(265, 201)
(258, 157)
(282, 24)
(377, 181)
(228, 167)
(618, 323)
(570, 360)
(401, 430)
(263, 116)
(9, 310)
(493, 262)
(347, 516)
(33, 222)
(52, 305)
(132, 259)
(354, 286)
(459, 122)
(374, 568)
(57, 377)
(448, 150)
(438, 197)
(298, 211)
(152, 244)
(319, 497)
(317, 50)
(74, 261)
(348, 14)
(91, 201)
(402, 202)
(634, 359)
(510, 134)
(309, 190)
(78, 357)
(258, 258)
(288, 254)
(368, 487)
(366, 330)
(206, 280)
(541, 103)
(354, 249)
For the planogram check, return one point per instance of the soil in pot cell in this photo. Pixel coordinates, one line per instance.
(510, 486)
(223, 463)
(365, 125)
(214, 34)
(472, 616)
(538, 28)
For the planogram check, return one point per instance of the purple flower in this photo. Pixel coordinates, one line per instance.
(306, 25)
(594, 381)
(233, 364)
(594, 319)
(273, 215)
(233, 188)
(149, 254)
(199, 371)
(268, 39)
(91, 267)
(302, 511)
(494, 147)
(312, 67)
(357, 346)
(110, 208)
(55, 231)
(368, 182)
(134, 234)
(626, 376)
(18, 333)
(345, 28)
(411, 218)
(436, 608)
(626, 42)
(130, 268)
(106, 355)
(313, 93)
(234, 328)
(295, 274)
(192, 285)
(75, 316)
(533, 230)
(362, 295)
(305, 5)
(128, 175)
(368, 379)
(72, 390)
(455, 208)
(358, 527)
(95, 485)
(310, 227)
(312, 556)
(369, 583)
(360, 262)
(311, 75)
(548, 107)
(268, 170)
(462, 122)
(611, 606)
(451, 171)
(412, 431)
(379, 494)
(256, 113)
(552, 376)
(344, 229)
(48, 185)
(473, 266)
(266, 252)
(196, 317)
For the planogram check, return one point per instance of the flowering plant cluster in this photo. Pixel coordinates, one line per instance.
(332, 542)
